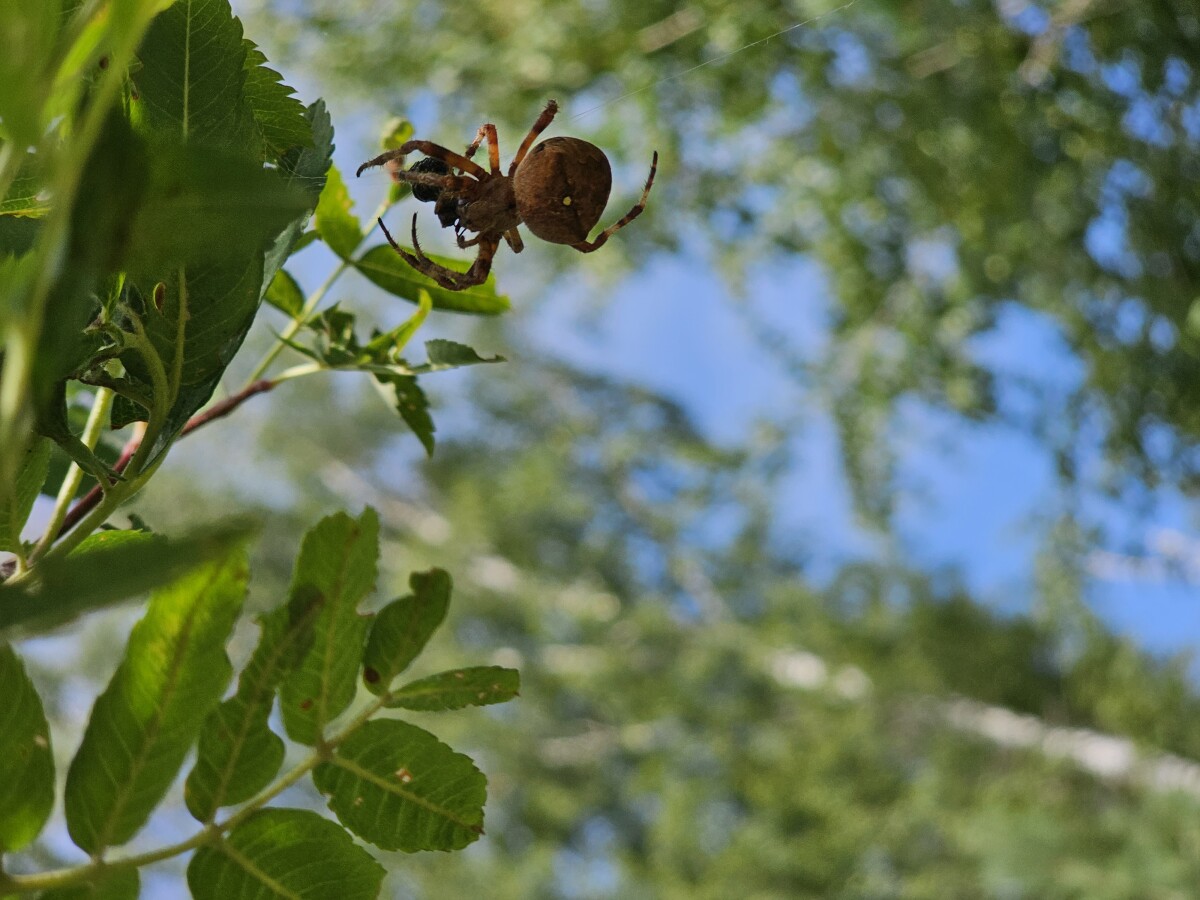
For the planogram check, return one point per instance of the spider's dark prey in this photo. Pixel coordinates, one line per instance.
(558, 189)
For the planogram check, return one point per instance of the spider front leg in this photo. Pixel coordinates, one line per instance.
(450, 279)
(602, 237)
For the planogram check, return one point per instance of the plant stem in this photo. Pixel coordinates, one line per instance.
(313, 301)
(101, 406)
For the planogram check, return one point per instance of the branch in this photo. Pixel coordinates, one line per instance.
(217, 411)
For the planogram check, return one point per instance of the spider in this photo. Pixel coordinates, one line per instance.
(558, 189)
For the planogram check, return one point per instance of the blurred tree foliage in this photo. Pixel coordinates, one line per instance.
(945, 162)
(701, 719)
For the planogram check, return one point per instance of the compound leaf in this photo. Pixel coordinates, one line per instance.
(277, 111)
(336, 223)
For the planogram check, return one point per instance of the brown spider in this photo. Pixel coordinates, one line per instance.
(558, 189)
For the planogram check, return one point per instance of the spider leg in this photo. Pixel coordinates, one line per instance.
(437, 151)
(513, 237)
(452, 183)
(487, 131)
(463, 243)
(379, 161)
(542, 123)
(450, 279)
(602, 237)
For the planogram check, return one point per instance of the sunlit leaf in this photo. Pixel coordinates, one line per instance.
(27, 773)
(284, 294)
(278, 113)
(413, 406)
(284, 854)
(403, 627)
(173, 672)
(110, 566)
(335, 220)
(400, 788)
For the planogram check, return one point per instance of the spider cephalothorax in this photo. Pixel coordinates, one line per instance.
(558, 189)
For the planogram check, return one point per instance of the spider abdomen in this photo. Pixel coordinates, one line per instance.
(562, 187)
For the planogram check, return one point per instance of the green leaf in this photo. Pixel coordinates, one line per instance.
(383, 267)
(108, 567)
(337, 564)
(203, 205)
(285, 294)
(141, 728)
(26, 196)
(238, 754)
(191, 84)
(396, 132)
(30, 29)
(113, 884)
(459, 688)
(306, 169)
(278, 113)
(403, 628)
(336, 223)
(400, 788)
(413, 406)
(391, 343)
(445, 354)
(30, 478)
(284, 854)
(27, 774)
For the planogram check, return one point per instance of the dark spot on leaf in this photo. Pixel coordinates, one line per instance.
(160, 294)
(370, 676)
(306, 704)
(104, 62)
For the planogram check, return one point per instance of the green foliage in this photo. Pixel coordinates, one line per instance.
(156, 174)
(479, 686)
(383, 267)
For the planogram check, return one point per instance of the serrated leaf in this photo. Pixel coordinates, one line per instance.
(413, 406)
(27, 774)
(400, 788)
(284, 294)
(403, 628)
(336, 223)
(238, 753)
(191, 84)
(112, 884)
(108, 567)
(284, 854)
(383, 267)
(337, 563)
(173, 672)
(278, 113)
(458, 688)
(19, 502)
(306, 169)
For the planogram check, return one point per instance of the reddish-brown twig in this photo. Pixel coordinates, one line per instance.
(218, 410)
